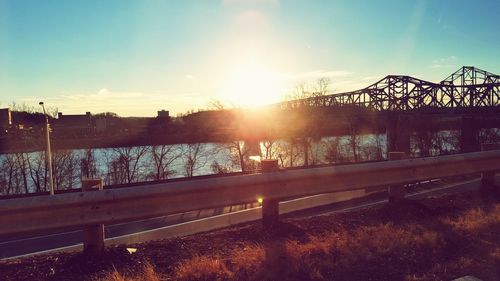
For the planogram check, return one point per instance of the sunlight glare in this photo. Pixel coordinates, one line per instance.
(255, 158)
(252, 84)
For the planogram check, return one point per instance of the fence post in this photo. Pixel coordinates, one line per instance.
(93, 235)
(270, 206)
(396, 192)
(488, 177)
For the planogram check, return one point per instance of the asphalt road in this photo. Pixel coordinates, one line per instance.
(17, 246)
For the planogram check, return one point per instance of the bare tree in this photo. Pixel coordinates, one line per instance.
(289, 153)
(334, 151)
(24, 107)
(354, 143)
(218, 168)
(239, 153)
(373, 149)
(489, 135)
(309, 124)
(446, 142)
(14, 173)
(22, 167)
(38, 170)
(317, 152)
(65, 169)
(216, 104)
(109, 175)
(117, 170)
(9, 169)
(321, 87)
(270, 146)
(163, 156)
(195, 156)
(7, 174)
(88, 165)
(352, 123)
(126, 165)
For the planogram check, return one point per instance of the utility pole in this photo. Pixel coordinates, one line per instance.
(48, 152)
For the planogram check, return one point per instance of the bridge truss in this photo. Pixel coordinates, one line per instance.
(467, 88)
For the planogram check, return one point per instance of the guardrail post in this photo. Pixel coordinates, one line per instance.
(488, 177)
(270, 207)
(93, 235)
(396, 192)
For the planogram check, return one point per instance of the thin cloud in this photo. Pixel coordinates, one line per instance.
(323, 73)
(121, 102)
(448, 62)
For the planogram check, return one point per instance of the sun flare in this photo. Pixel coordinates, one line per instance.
(252, 84)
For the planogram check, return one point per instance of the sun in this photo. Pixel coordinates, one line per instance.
(252, 84)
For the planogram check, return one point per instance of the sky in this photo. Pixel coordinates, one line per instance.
(137, 57)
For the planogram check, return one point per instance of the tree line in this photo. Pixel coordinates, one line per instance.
(26, 172)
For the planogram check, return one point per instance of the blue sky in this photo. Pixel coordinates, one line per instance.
(137, 57)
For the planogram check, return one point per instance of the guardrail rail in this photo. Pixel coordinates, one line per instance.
(32, 214)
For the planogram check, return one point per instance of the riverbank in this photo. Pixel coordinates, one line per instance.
(435, 239)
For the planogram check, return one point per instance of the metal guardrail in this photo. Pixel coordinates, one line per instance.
(29, 215)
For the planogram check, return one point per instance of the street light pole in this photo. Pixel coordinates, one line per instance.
(48, 152)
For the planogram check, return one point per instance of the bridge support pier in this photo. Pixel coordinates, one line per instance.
(468, 135)
(398, 135)
(396, 192)
(93, 235)
(398, 141)
(270, 206)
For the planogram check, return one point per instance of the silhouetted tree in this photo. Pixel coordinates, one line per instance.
(309, 126)
(22, 167)
(127, 165)
(65, 170)
(88, 165)
(238, 152)
(195, 157)
(489, 135)
(334, 151)
(289, 153)
(38, 170)
(163, 156)
(217, 168)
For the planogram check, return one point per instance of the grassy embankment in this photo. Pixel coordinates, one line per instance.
(421, 243)
(436, 239)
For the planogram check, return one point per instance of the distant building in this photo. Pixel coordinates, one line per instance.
(79, 124)
(163, 114)
(162, 121)
(5, 118)
(101, 124)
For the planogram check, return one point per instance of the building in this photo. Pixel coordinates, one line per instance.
(163, 114)
(74, 125)
(5, 119)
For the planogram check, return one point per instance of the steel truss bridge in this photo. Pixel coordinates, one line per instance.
(467, 88)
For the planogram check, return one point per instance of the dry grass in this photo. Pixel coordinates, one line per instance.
(384, 251)
(313, 260)
(202, 268)
(476, 220)
(148, 274)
